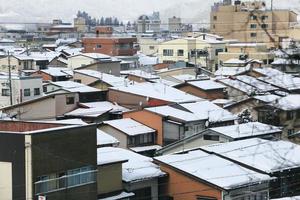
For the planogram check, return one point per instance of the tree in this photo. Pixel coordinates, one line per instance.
(245, 117)
(102, 21)
(128, 24)
(116, 22)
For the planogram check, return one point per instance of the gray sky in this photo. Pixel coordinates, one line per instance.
(46, 10)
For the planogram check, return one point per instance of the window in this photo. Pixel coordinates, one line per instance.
(290, 115)
(98, 46)
(168, 52)
(151, 47)
(27, 92)
(219, 51)
(265, 17)
(211, 137)
(253, 17)
(5, 92)
(206, 198)
(253, 34)
(70, 100)
(253, 26)
(77, 80)
(215, 18)
(180, 52)
(37, 91)
(44, 89)
(264, 26)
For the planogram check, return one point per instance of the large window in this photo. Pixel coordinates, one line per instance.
(37, 91)
(168, 52)
(180, 52)
(141, 139)
(5, 92)
(27, 92)
(63, 180)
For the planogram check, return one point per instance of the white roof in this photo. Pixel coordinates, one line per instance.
(231, 71)
(282, 61)
(234, 83)
(147, 60)
(207, 84)
(88, 112)
(168, 111)
(37, 56)
(112, 80)
(122, 195)
(157, 91)
(56, 71)
(290, 102)
(74, 86)
(105, 105)
(129, 126)
(246, 44)
(137, 168)
(145, 148)
(184, 77)
(265, 155)
(285, 81)
(289, 198)
(140, 73)
(267, 71)
(261, 86)
(213, 169)
(247, 130)
(267, 98)
(97, 56)
(210, 111)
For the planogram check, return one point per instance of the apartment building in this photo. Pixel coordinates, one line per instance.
(149, 23)
(251, 22)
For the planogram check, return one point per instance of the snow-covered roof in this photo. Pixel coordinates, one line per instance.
(231, 71)
(137, 168)
(261, 86)
(96, 56)
(290, 102)
(105, 105)
(267, 98)
(157, 91)
(147, 60)
(234, 83)
(88, 112)
(289, 198)
(129, 126)
(112, 80)
(250, 129)
(267, 71)
(38, 56)
(122, 195)
(213, 169)
(168, 111)
(210, 111)
(282, 61)
(265, 155)
(246, 44)
(140, 73)
(285, 81)
(74, 86)
(145, 148)
(184, 77)
(57, 71)
(207, 84)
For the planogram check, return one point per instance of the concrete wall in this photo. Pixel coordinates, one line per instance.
(6, 186)
(79, 61)
(109, 178)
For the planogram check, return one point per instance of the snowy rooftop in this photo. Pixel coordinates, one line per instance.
(248, 89)
(210, 111)
(282, 61)
(261, 86)
(112, 80)
(57, 71)
(105, 104)
(137, 168)
(169, 111)
(289, 198)
(38, 56)
(265, 155)
(267, 71)
(129, 126)
(247, 130)
(285, 81)
(88, 112)
(267, 98)
(184, 77)
(147, 60)
(290, 102)
(74, 86)
(207, 85)
(140, 73)
(213, 169)
(157, 91)
(96, 56)
(231, 71)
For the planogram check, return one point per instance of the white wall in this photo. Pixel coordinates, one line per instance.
(5, 181)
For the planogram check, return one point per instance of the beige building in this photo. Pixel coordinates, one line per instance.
(80, 24)
(202, 50)
(149, 45)
(251, 22)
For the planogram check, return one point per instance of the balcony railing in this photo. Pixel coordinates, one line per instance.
(64, 182)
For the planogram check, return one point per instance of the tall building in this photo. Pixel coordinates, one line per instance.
(251, 22)
(175, 24)
(149, 23)
(80, 24)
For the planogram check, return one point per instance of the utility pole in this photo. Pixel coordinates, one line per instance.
(9, 79)
(271, 5)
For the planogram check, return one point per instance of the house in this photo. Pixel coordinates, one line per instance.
(139, 175)
(223, 134)
(202, 50)
(241, 62)
(86, 93)
(54, 74)
(23, 89)
(286, 82)
(35, 162)
(47, 107)
(197, 175)
(147, 94)
(285, 112)
(96, 112)
(275, 158)
(175, 122)
(95, 61)
(206, 89)
(139, 76)
(99, 80)
(131, 134)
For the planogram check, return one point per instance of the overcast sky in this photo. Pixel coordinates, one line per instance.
(46, 10)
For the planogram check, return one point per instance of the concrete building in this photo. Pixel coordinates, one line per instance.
(23, 89)
(251, 22)
(35, 162)
(175, 25)
(202, 50)
(80, 24)
(149, 23)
